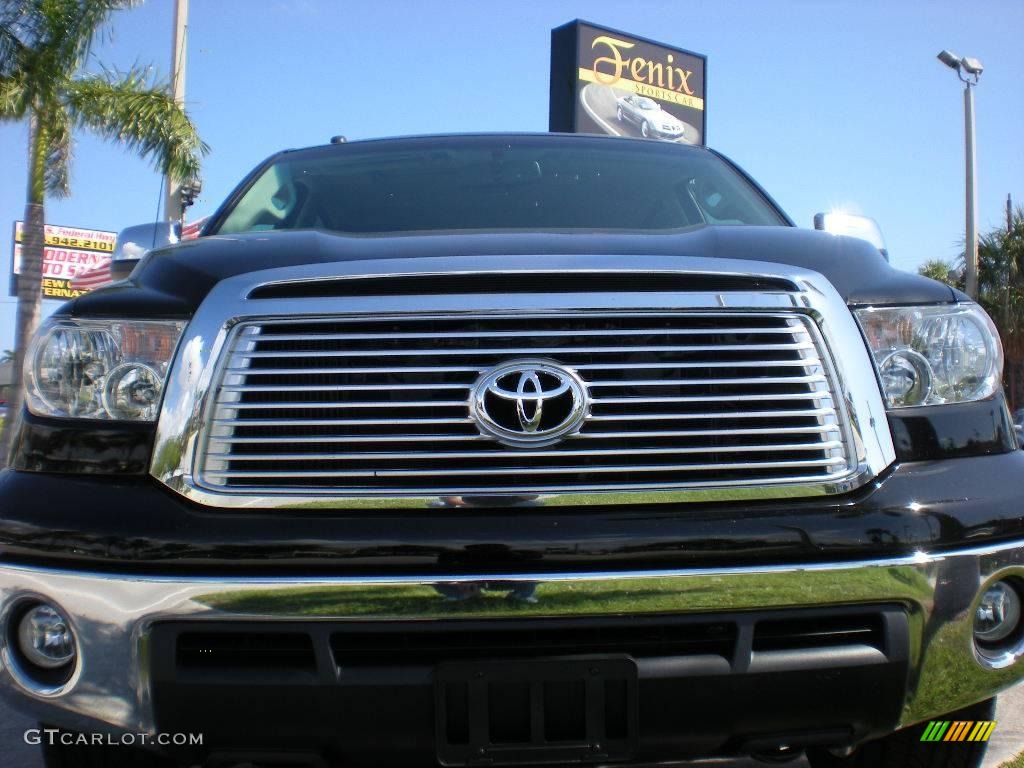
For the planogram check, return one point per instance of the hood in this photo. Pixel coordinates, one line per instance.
(173, 281)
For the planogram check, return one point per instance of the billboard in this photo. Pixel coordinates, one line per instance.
(67, 253)
(606, 81)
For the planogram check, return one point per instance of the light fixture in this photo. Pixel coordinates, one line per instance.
(951, 60)
(973, 66)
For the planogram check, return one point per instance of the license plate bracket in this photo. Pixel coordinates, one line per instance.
(520, 712)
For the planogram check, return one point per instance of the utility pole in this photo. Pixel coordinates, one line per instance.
(1009, 271)
(172, 202)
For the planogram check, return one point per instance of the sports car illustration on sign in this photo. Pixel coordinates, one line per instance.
(651, 119)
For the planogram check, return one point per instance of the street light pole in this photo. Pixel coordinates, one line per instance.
(968, 70)
(971, 201)
(172, 186)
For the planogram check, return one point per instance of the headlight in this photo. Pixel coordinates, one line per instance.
(100, 369)
(934, 355)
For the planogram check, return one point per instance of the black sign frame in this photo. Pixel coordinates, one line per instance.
(569, 57)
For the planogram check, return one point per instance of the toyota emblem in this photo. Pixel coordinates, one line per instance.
(529, 402)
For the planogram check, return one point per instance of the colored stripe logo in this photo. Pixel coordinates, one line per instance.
(958, 730)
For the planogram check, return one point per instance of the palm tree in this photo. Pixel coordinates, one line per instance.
(44, 45)
(7, 356)
(1001, 292)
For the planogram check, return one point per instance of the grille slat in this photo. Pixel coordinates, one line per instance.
(389, 386)
(526, 351)
(461, 471)
(334, 404)
(385, 386)
(482, 438)
(323, 406)
(417, 455)
(709, 398)
(271, 336)
(476, 369)
(807, 412)
(336, 422)
(753, 382)
(352, 405)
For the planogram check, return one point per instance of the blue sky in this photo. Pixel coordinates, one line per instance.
(827, 103)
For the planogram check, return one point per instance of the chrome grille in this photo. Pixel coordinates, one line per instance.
(380, 406)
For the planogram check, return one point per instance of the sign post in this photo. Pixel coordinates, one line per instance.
(606, 81)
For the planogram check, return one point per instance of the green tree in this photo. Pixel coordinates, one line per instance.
(1001, 292)
(44, 49)
(943, 271)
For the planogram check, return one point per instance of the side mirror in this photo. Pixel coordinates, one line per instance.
(852, 225)
(135, 242)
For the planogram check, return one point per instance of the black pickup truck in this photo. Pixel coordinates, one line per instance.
(512, 449)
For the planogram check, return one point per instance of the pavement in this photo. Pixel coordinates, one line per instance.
(1006, 743)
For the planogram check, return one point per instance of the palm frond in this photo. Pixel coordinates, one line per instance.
(144, 117)
(72, 26)
(13, 97)
(20, 30)
(941, 270)
(59, 146)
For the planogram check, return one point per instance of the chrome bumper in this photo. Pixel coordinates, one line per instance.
(112, 614)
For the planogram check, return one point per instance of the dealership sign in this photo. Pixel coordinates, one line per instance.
(67, 253)
(605, 81)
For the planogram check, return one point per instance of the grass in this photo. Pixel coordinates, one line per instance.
(576, 499)
(1017, 762)
(952, 673)
(608, 596)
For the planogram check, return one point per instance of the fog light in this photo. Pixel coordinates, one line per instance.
(45, 638)
(998, 614)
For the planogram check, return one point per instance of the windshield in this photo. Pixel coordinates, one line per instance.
(478, 183)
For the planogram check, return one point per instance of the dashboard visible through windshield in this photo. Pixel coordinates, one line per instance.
(497, 184)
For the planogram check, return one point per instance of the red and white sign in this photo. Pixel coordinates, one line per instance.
(68, 253)
(64, 263)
